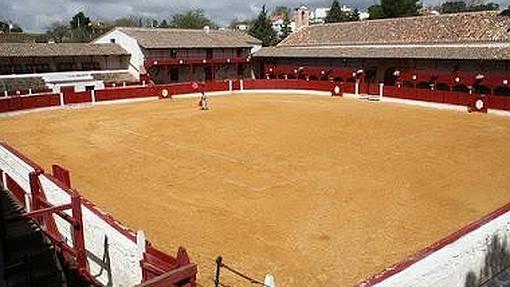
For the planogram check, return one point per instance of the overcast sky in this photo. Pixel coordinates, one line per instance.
(36, 15)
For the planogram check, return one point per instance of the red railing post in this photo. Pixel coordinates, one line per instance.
(78, 236)
(35, 191)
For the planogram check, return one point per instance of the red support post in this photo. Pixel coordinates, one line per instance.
(35, 191)
(61, 174)
(78, 236)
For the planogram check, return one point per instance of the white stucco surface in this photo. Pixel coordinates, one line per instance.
(130, 45)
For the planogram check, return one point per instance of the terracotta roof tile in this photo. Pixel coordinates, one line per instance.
(190, 38)
(485, 26)
(20, 50)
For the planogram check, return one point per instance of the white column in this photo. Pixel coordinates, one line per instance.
(356, 87)
(93, 96)
(29, 91)
(381, 89)
(140, 242)
(28, 202)
(230, 85)
(61, 99)
(241, 85)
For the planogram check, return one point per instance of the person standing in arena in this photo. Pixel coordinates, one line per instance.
(203, 102)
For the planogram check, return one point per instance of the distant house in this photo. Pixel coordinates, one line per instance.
(177, 55)
(51, 66)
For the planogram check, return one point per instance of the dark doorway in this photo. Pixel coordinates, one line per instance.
(371, 81)
(209, 53)
(174, 75)
(209, 73)
(389, 77)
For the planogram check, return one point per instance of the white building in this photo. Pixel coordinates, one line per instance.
(176, 55)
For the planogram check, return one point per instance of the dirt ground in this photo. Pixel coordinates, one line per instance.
(315, 190)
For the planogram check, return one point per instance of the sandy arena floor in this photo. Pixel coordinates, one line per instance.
(315, 190)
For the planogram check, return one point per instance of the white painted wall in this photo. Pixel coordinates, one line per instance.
(130, 45)
(125, 254)
(449, 266)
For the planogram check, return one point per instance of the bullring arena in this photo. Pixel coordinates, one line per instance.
(318, 191)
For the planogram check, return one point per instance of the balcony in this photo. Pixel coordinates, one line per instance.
(166, 61)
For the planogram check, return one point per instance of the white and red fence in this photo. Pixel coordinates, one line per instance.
(100, 249)
(68, 97)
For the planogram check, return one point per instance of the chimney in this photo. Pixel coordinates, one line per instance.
(301, 17)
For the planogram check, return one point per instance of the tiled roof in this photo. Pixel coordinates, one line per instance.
(480, 52)
(152, 38)
(470, 36)
(19, 50)
(485, 26)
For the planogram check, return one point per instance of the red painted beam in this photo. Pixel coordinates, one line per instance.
(43, 211)
(172, 277)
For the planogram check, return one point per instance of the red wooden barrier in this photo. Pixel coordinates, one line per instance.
(498, 103)
(288, 85)
(216, 86)
(10, 104)
(72, 97)
(18, 192)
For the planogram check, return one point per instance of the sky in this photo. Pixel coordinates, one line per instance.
(37, 15)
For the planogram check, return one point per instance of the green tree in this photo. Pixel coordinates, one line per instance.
(262, 29)
(375, 12)
(460, 6)
(6, 28)
(453, 7)
(58, 31)
(394, 8)
(354, 16)
(79, 21)
(192, 19)
(163, 24)
(286, 29)
(335, 14)
(400, 8)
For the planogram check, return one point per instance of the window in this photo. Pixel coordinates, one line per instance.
(112, 41)
(174, 75)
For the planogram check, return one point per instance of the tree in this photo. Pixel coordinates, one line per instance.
(400, 8)
(6, 28)
(163, 24)
(453, 7)
(262, 29)
(286, 29)
(57, 31)
(375, 12)
(192, 19)
(354, 16)
(394, 8)
(335, 14)
(80, 21)
(460, 6)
